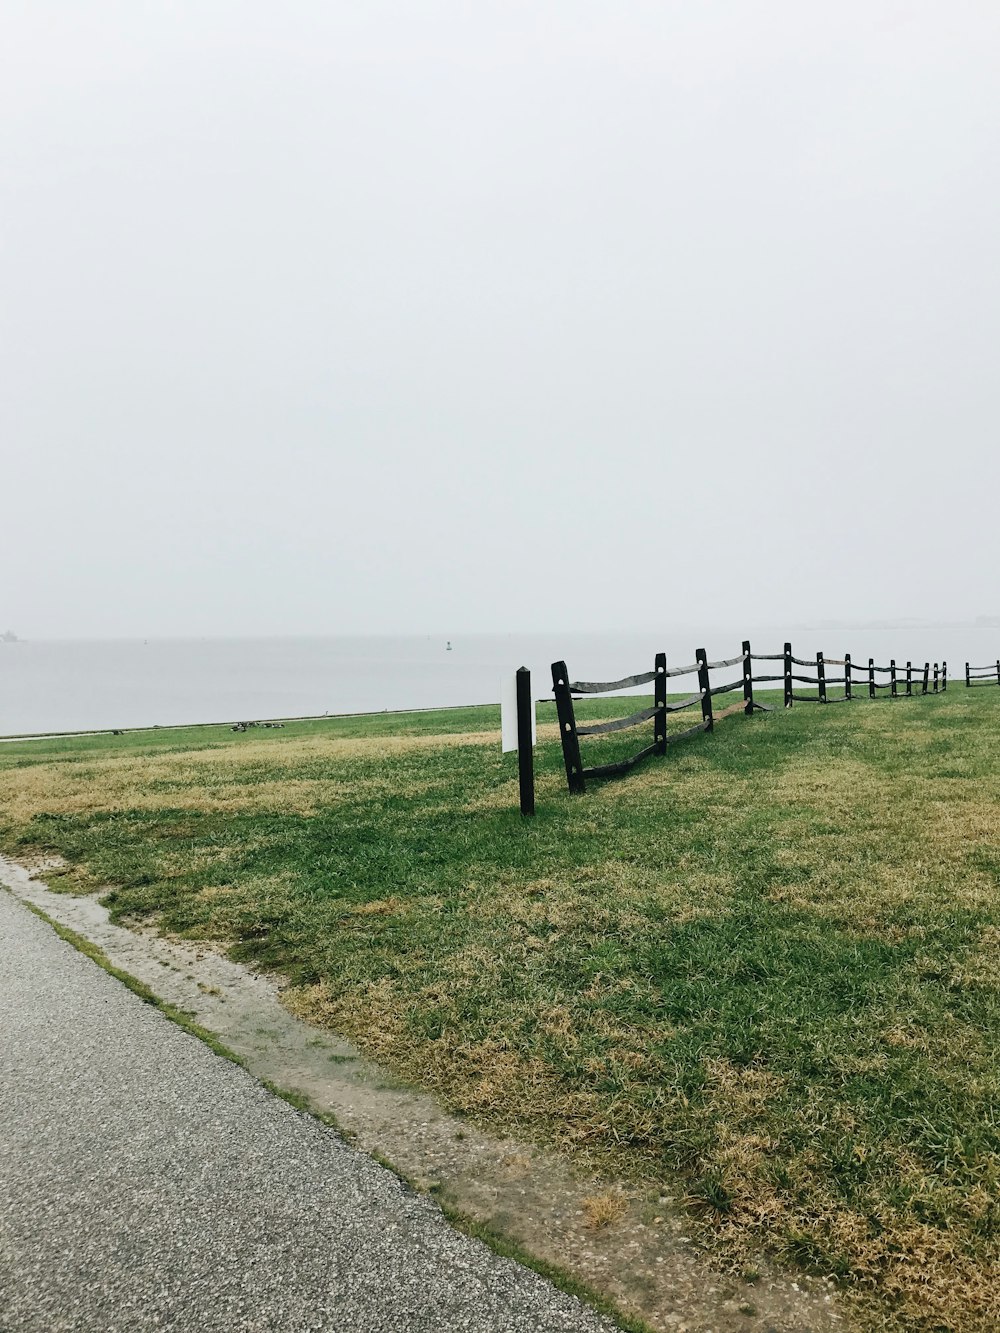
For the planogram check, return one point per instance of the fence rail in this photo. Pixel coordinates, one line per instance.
(982, 675)
(565, 691)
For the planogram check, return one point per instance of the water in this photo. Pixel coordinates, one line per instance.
(79, 685)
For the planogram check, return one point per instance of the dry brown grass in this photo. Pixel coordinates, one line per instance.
(600, 1210)
(211, 780)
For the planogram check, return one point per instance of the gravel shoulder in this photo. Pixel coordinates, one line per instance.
(147, 1183)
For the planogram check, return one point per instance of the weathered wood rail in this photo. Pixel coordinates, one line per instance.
(821, 680)
(982, 675)
(870, 678)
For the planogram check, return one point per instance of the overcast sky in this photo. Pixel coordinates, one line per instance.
(333, 317)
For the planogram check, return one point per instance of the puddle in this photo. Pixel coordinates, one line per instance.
(643, 1258)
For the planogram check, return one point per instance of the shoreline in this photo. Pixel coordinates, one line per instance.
(228, 722)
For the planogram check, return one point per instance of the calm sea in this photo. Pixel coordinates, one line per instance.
(77, 685)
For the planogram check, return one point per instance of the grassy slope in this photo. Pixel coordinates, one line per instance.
(768, 962)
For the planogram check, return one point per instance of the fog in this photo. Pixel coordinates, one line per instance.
(405, 317)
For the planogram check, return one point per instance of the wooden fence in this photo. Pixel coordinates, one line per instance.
(987, 675)
(571, 733)
(866, 678)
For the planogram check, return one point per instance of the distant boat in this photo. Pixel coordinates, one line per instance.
(448, 646)
(8, 636)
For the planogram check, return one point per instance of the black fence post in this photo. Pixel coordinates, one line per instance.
(966, 675)
(567, 727)
(847, 675)
(701, 657)
(747, 678)
(525, 750)
(871, 678)
(927, 676)
(892, 678)
(935, 677)
(660, 700)
(998, 670)
(788, 675)
(821, 677)
(909, 679)
(944, 676)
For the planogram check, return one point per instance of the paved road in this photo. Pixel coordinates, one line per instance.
(146, 1183)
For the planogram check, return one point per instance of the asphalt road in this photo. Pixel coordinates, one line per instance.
(146, 1183)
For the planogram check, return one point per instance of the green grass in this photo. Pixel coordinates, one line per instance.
(768, 962)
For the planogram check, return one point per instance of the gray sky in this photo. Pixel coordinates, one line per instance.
(347, 317)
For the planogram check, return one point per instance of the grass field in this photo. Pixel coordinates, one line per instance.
(767, 963)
